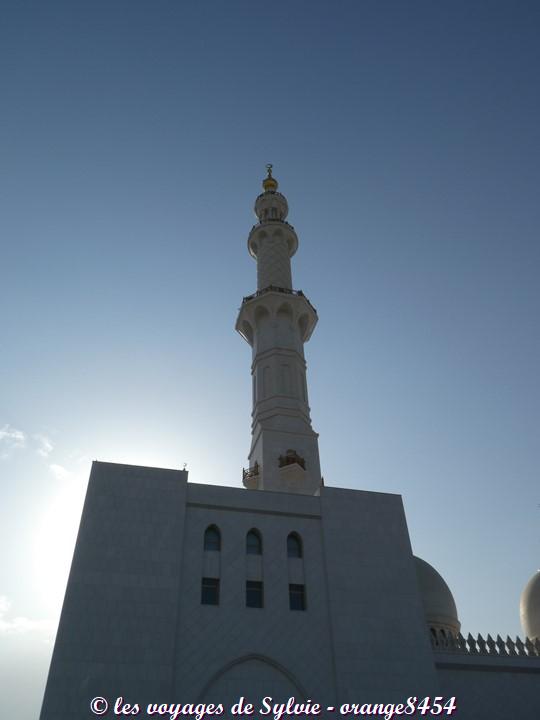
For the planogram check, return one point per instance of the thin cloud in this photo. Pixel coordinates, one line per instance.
(10, 439)
(59, 471)
(45, 447)
(19, 624)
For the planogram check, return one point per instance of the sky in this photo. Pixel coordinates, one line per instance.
(133, 140)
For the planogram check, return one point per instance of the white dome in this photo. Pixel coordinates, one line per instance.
(439, 606)
(529, 607)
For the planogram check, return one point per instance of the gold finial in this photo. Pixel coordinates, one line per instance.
(269, 183)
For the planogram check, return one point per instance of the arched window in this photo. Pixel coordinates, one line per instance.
(212, 539)
(294, 546)
(253, 543)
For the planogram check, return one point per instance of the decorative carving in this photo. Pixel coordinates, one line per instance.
(501, 645)
(491, 645)
(520, 648)
(481, 643)
(471, 642)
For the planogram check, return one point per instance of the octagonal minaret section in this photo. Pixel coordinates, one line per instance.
(276, 321)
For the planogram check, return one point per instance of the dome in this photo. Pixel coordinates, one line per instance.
(270, 184)
(439, 606)
(529, 607)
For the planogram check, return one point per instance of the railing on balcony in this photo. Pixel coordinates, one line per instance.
(250, 473)
(276, 288)
(273, 220)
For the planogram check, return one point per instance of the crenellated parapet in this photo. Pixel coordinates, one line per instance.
(445, 642)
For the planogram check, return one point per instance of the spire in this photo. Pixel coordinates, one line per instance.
(271, 204)
(270, 184)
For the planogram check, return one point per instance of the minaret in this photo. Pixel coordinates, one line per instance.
(276, 321)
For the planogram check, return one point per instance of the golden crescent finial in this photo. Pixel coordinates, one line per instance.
(269, 182)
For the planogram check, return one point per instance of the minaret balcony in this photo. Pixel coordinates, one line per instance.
(272, 220)
(272, 300)
(275, 288)
(250, 476)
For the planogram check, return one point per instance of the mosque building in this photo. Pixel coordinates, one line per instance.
(285, 588)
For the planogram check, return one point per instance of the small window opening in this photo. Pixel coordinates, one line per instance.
(210, 591)
(297, 597)
(254, 594)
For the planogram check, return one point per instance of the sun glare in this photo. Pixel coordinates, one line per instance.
(55, 541)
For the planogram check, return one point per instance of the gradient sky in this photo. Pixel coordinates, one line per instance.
(406, 137)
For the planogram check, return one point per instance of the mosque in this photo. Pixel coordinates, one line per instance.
(190, 594)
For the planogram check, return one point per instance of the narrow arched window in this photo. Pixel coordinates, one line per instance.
(253, 543)
(294, 546)
(212, 539)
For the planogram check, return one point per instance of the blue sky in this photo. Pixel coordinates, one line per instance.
(406, 137)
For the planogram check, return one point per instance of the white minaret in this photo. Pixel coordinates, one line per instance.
(276, 321)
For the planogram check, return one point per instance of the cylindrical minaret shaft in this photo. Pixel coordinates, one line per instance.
(277, 321)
